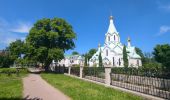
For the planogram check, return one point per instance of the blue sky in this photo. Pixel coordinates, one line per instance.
(147, 22)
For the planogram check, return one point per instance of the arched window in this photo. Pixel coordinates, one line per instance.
(114, 38)
(106, 52)
(137, 62)
(108, 38)
(119, 62)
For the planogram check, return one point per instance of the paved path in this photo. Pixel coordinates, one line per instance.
(35, 88)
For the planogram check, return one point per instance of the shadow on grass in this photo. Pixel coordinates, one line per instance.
(34, 98)
(11, 99)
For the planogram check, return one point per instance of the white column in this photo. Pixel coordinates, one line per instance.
(81, 71)
(107, 76)
(69, 70)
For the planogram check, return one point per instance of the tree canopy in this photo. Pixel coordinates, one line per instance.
(48, 39)
(125, 59)
(162, 55)
(75, 53)
(88, 55)
(16, 48)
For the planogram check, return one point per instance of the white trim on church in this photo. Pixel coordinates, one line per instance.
(112, 51)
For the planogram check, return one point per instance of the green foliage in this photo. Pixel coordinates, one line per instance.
(148, 70)
(125, 59)
(100, 60)
(75, 53)
(94, 71)
(5, 59)
(10, 71)
(162, 55)
(49, 39)
(88, 55)
(78, 89)
(91, 53)
(140, 53)
(16, 48)
(85, 62)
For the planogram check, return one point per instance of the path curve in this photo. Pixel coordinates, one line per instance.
(35, 88)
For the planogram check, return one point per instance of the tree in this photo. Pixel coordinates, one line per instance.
(125, 59)
(100, 60)
(162, 55)
(48, 39)
(75, 53)
(16, 48)
(91, 53)
(5, 59)
(140, 53)
(86, 58)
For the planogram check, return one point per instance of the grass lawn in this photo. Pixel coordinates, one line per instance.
(11, 87)
(81, 90)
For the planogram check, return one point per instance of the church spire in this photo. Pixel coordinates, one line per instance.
(111, 28)
(128, 40)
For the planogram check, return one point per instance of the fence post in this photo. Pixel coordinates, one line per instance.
(81, 71)
(107, 76)
(69, 70)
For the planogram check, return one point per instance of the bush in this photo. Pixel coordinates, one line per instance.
(13, 70)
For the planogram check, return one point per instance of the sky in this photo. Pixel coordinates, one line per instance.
(146, 22)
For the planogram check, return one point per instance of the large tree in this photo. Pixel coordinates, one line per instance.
(125, 59)
(162, 55)
(49, 39)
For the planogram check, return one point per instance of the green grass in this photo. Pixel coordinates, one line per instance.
(82, 90)
(11, 86)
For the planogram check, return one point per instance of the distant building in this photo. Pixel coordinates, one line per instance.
(71, 60)
(112, 51)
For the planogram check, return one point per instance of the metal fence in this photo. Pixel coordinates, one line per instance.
(94, 73)
(75, 71)
(148, 82)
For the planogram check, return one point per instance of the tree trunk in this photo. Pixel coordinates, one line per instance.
(47, 64)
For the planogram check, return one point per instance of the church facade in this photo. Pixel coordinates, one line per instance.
(112, 50)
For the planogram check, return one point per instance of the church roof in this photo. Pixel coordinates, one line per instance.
(132, 53)
(111, 28)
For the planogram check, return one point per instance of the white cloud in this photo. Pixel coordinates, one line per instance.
(10, 32)
(164, 29)
(22, 27)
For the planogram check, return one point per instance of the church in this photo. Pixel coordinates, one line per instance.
(112, 50)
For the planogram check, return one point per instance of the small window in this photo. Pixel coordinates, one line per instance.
(137, 62)
(108, 38)
(106, 52)
(114, 37)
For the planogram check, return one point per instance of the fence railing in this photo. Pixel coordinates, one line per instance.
(144, 81)
(94, 73)
(75, 71)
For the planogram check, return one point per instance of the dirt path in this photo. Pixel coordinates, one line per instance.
(35, 88)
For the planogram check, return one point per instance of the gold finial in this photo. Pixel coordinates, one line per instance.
(128, 39)
(111, 17)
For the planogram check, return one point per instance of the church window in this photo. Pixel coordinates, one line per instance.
(108, 38)
(137, 62)
(119, 62)
(114, 37)
(106, 52)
